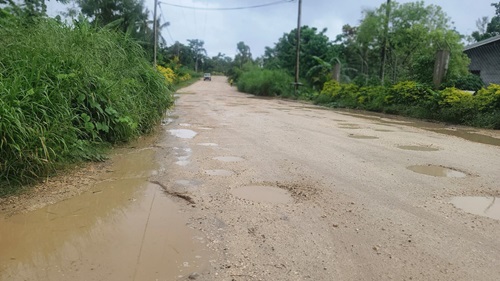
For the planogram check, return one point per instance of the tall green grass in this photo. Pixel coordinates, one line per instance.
(67, 91)
(264, 82)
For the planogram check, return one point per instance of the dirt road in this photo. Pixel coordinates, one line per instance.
(280, 190)
(357, 210)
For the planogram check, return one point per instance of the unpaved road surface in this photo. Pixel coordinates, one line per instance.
(278, 190)
(357, 212)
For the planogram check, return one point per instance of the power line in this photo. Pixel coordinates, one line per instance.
(165, 20)
(226, 9)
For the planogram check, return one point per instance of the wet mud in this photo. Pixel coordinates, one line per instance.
(183, 133)
(124, 228)
(481, 206)
(363, 137)
(418, 148)
(437, 171)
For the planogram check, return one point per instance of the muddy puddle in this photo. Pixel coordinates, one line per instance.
(264, 194)
(183, 156)
(481, 206)
(229, 158)
(464, 133)
(223, 173)
(363, 137)
(207, 144)
(437, 171)
(123, 228)
(467, 135)
(183, 133)
(418, 148)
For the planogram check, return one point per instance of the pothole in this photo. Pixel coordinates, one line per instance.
(207, 144)
(265, 194)
(224, 173)
(183, 133)
(349, 127)
(363, 137)
(437, 171)
(481, 206)
(229, 158)
(418, 148)
(383, 130)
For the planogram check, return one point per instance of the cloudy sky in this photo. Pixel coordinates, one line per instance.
(260, 27)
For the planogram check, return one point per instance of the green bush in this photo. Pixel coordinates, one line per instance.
(67, 90)
(409, 93)
(263, 82)
(416, 100)
(488, 99)
(468, 82)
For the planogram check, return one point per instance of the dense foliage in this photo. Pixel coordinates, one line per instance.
(65, 91)
(264, 82)
(417, 100)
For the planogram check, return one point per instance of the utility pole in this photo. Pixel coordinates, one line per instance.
(383, 55)
(155, 32)
(298, 48)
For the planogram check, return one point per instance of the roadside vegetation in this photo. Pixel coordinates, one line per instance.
(70, 91)
(384, 64)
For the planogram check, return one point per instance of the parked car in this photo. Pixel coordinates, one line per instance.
(207, 77)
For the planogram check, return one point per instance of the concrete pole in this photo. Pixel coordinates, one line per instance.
(298, 48)
(155, 32)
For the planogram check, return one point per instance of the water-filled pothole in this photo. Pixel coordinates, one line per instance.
(115, 231)
(482, 206)
(437, 171)
(207, 144)
(363, 137)
(266, 194)
(418, 147)
(229, 158)
(183, 133)
(224, 173)
(349, 127)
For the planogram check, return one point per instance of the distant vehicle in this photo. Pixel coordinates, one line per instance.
(207, 77)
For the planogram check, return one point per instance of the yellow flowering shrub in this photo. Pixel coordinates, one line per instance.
(168, 73)
(488, 98)
(455, 97)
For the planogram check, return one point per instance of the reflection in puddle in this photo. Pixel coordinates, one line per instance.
(418, 148)
(268, 194)
(224, 173)
(482, 206)
(437, 171)
(183, 133)
(229, 158)
(183, 160)
(468, 135)
(363, 137)
(207, 144)
(124, 228)
(465, 133)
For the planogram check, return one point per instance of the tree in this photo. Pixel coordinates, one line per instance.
(104, 12)
(313, 43)
(415, 32)
(197, 51)
(488, 29)
(244, 55)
